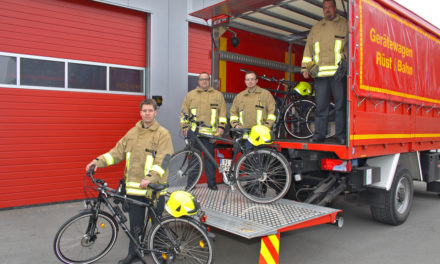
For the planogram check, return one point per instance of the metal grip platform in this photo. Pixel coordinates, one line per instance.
(230, 211)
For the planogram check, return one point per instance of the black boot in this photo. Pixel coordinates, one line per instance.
(129, 259)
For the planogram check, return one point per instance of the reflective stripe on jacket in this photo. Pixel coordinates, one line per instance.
(326, 45)
(143, 150)
(256, 108)
(208, 106)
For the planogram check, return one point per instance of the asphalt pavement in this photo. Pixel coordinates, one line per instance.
(27, 237)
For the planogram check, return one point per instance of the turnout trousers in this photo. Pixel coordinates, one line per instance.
(324, 88)
(210, 168)
(137, 218)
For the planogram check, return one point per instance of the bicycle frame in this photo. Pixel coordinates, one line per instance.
(115, 210)
(236, 146)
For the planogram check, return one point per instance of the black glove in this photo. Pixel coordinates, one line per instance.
(341, 72)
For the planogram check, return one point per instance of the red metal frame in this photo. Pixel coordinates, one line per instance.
(231, 8)
(325, 219)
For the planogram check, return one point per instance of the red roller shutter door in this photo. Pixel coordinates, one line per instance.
(199, 48)
(47, 137)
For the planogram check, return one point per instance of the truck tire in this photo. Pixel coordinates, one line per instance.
(398, 200)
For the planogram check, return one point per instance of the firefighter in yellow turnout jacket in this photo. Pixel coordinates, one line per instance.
(253, 106)
(143, 148)
(327, 47)
(208, 106)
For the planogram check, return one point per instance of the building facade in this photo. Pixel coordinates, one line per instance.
(72, 73)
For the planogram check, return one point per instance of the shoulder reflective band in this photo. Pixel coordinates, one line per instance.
(164, 191)
(133, 184)
(329, 68)
(213, 118)
(206, 130)
(108, 159)
(326, 73)
(222, 120)
(127, 160)
(183, 120)
(194, 113)
(158, 169)
(338, 45)
(316, 52)
(271, 117)
(259, 115)
(148, 164)
(306, 59)
(133, 188)
(138, 192)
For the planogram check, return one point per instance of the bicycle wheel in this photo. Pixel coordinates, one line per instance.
(263, 175)
(331, 127)
(82, 240)
(185, 169)
(180, 240)
(295, 118)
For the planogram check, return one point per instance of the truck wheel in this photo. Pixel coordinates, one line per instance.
(398, 200)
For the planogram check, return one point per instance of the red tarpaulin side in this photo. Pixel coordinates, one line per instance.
(397, 57)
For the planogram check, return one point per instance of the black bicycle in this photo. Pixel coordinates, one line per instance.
(91, 234)
(296, 109)
(262, 174)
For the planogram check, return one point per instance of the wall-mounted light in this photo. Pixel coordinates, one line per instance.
(158, 99)
(234, 39)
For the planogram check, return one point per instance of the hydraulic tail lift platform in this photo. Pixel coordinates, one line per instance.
(232, 212)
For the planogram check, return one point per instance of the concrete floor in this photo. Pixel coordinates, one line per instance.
(27, 237)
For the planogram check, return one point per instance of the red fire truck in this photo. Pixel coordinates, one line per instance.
(393, 95)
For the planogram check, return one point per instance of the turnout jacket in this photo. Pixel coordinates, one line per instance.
(143, 150)
(326, 46)
(208, 106)
(250, 109)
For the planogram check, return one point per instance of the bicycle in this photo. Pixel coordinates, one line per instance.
(262, 174)
(91, 234)
(296, 110)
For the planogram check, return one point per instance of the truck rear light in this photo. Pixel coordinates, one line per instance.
(336, 165)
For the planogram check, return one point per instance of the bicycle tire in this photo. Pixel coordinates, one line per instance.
(295, 119)
(191, 242)
(185, 170)
(73, 245)
(331, 127)
(263, 175)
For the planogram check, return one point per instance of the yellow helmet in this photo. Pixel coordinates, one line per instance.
(303, 88)
(181, 203)
(260, 135)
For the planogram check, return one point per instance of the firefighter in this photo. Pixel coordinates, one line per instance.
(143, 148)
(326, 48)
(253, 106)
(208, 106)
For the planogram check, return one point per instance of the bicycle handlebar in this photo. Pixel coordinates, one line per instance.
(192, 119)
(240, 130)
(102, 184)
(273, 79)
